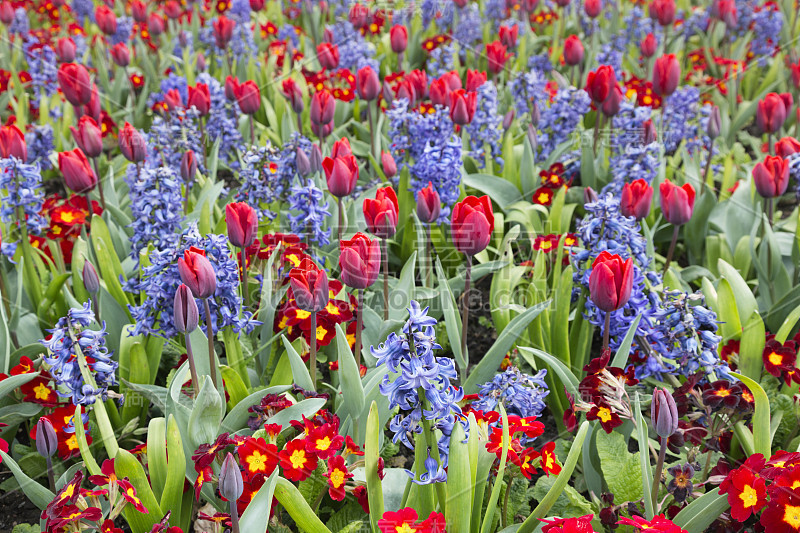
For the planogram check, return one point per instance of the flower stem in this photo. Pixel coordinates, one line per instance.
(671, 249)
(192, 367)
(99, 187)
(662, 454)
(359, 324)
(341, 218)
(245, 290)
(312, 360)
(212, 367)
(606, 331)
(252, 132)
(234, 516)
(51, 479)
(385, 261)
(465, 306)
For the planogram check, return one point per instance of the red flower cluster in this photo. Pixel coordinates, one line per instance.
(62, 420)
(406, 521)
(66, 218)
(780, 359)
(553, 179)
(39, 389)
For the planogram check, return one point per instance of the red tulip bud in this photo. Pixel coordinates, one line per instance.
(573, 51)
(497, 56)
(121, 55)
(77, 172)
(508, 35)
(155, 24)
(611, 281)
(771, 112)
(367, 83)
(12, 143)
(593, 8)
(358, 16)
(188, 166)
(381, 213)
(341, 175)
(475, 79)
(200, 99)
(636, 199)
(429, 205)
(249, 97)
(472, 224)
(648, 45)
(242, 222)
(787, 146)
(88, 136)
(106, 19)
(73, 79)
(463, 105)
(223, 30)
(328, 56)
(293, 93)
(323, 106)
(398, 38)
(139, 11)
(185, 312)
(309, 286)
(600, 83)
(663, 11)
(197, 273)
(666, 75)
(664, 413)
(677, 203)
(359, 261)
(66, 50)
(389, 165)
(131, 144)
(771, 176)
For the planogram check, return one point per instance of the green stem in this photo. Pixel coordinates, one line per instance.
(212, 366)
(192, 367)
(606, 331)
(359, 325)
(662, 454)
(465, 306)
(671, 249)
(312, 359)
(385, 261)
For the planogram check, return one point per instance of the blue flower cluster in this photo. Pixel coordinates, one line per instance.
(71, 336)
(696, 23)
(685, 334)
(222, 122)
(631, 159)
(528, 89)
(354, 51)
(495, 10)
(155, 193)
(410, 355)
(681, 116)
(160, 280)
(440, 60)
(172, 135)
(43, 68)
(39, 141)
(540, 62)
(21, 194)
(20, 25)
(124, 31)
(560, 120)
(309, 212)
(243, 44)
(604, 228)
(440, 164)
(521, 394)
(485, 131)
(468, 28)
(83, 9)
(767, 26)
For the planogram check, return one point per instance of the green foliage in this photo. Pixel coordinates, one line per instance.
(569, 503)
(621, 469)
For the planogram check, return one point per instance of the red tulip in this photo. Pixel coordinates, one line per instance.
(200, 99)
(121, 55)
(677, 203)
(197, 273)
(323, 106)
(66, 50)
(6, 13)
(293, 93)
(368, 84)
(648, 45)
(452, 80)
(231, 86)
(223, 30)
(419, 79)
(472, 224)
(77, 172)
(139, 11)
(12, 143)
(771, 112)
(474, 80)
(593, 8)
(612, 104)
(508, 36)
(172, 9)
(131, 144)
(600, 83)
(636, 199)
(497, 55)
(398, 38)
(257, 5)
(573, 51)
(88, 136)
(323, 130)
(328, 55)
(341, 148)
(155, 24)
(106, 19)
(462, 106)
(787, 146)
(771, 176)
(795, 70)
(173, 99)
(242, 222)
(248, 97)
(725, 10)
(388, 164)
(359, 261)
(358, 16)
(73, 79)
(663, 11)
(440, 93)
(188, 166)
(611, 281)
(341, 174)
(93, 108)
(666, 75)
(429, 205)
(405, 89)
(309, 286)
(381, 213)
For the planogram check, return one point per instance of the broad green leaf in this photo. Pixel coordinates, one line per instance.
(299, 370)
(126, 465)
(566, 376)
(624, 350)
(157, 455)
(751, 351)
(762, 440)
(297, 507)
(237, 417)
(206, 416)
(701, 513)
(256, 517)
(727, 311)
(307, 407)
(349, 376)
(12, 383)
(459, 484)
(172, 496)
(745, 301)
(490, 362)
(36, 493)
(569, 503)
(371, 457)
(621, 469)
(788, 324)
(502, 192)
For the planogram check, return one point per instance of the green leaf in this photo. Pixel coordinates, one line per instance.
(491, 508)
(502, 192)
(566, 376)
(624, 350)
(452, 319)
(12, 383)
(731, 326)
(745, 301)
(569, 503)
(751, 351)
(371, 456)
(299, 370)
(484, 370)
(644, 459)
(297, 507)
(459, 484)
(401, 295)
(307, 407)
(172, 496)
(37, 494)
(256, 517)
(621, 469)
(788, 324)
(157, 455)
(206, 415)
(558, 487)
(762, 436)
(126, 465)
(237, 417)
(349, 377)
(701, 513)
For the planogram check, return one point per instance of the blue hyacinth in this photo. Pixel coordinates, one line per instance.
(20, 25)
(412, 368)
(681, 115)
(173, 134)
(440, 164)
(528, 89)
(520, 394)
(767, 26)
(71, 336)
(39, 141)
(21, 194)
(124, 31)
(309, 212)
(485, 131)
(469, 26)
(160, 280)
(631, 159)
(43, 68)
(222, 123)
(561, 119)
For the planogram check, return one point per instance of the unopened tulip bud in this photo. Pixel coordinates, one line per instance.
(316, 158)
(185, 311)
(201, 62)
(536, 115)
(46, 439)
(508, 119)
(90, 280)
(188, 166)
(714, 123)
(388, 93)
(664, 413)
(649, 135)
(231, 484)
(589, 196)
(532, 137)
(302, 163)
(389, 165)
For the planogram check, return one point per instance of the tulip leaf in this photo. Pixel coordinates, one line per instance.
(233, 385)
(256, 517)
(566, 376)
(157, 454)
(788, 325)
(624, 350)
(400, 297)
(644, 458)
(126, 465)
(296, 505)
(36, 493)
(349, 377)
(751, 351)
(702, 512)
(206, 415)
(307, 407)
(452, 319)
(502, 192)
(730, 327)
(762, 436)
(491, 507)
(459, 484)
(490, 362)
(237, 417)
(371, 457)
(299, 371)
(172, 496)
(745, 301)
(11, 383)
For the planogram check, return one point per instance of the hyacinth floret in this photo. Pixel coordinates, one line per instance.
(412, 368)
(21, 194)
(155, 191)
(561, 118)
(39, 141)
(70, 337)
(485, 130)
(309, 211)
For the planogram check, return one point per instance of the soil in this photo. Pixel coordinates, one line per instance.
(15, 508)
